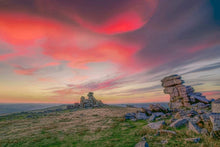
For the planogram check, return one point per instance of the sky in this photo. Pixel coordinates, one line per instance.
(54, 51)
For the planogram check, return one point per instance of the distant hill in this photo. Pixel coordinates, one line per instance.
(12, 108)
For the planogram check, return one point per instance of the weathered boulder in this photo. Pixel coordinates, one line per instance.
(141, 116)
(142, 144)
(216, 106)
(178, 123)
(156, 125)
(157, 108)
(199, 98)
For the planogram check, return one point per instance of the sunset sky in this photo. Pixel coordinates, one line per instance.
(54, 51)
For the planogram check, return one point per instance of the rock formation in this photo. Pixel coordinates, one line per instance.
(90, 102)
(181, 95)
(187, 108)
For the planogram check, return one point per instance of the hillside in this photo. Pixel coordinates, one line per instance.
(97, 127)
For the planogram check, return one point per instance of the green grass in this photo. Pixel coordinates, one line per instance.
(120, 133)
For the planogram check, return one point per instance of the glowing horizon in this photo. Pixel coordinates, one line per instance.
(56, 51)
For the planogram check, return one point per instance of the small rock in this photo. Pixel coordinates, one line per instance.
(142, 144)
(168, 114)
(130, 116)
(164, 141)
(152, 118)
(178, 123)
(204, 131)
(200, 111)
(143, 138)
(194, 127)
(147, 111)
(195, 140)
(156, 125)
(159, 118)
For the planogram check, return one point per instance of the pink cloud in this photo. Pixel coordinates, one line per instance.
(62, 42)
(129, 16)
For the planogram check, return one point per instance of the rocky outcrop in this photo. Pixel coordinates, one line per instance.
(181, 95)
(216, 106)
(90, 102)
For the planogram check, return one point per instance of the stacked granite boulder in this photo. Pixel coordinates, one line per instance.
(181, 95)
(90, 102)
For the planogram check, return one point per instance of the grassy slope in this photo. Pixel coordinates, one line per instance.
(86, 128)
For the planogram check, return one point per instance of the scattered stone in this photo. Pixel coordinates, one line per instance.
(152, 118)
(194, 127)
(74, 106)
(194, 140)
(216, 106)
(130, 116)
(147, 111)
(142, 144)
(166, 132)
(141, 116)
(158, 114)
(156, 125)
(178, 123)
